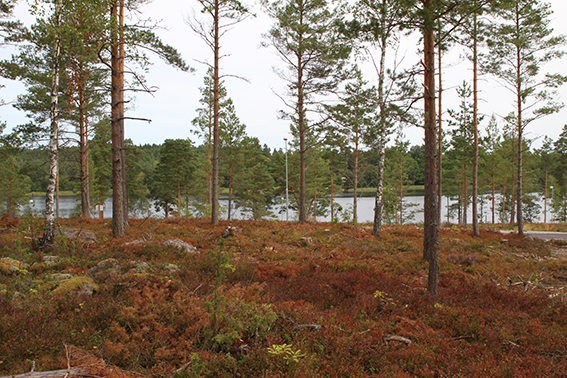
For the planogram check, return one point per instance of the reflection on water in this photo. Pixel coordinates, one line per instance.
(70, 206)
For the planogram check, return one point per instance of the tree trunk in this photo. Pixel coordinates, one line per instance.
(121, 106)
(379, 201)
(440, 126)
(545, 199)
(493, 191)
(465, 196)
(216, 94)
(355, 191)
(302, 147)
(178, 196)
(431, 218)
(401, 189)
(475, 127)
(84, 155)
(230, 190)
(49, 228)
(512, 202)
(332, 190)
(117, 124)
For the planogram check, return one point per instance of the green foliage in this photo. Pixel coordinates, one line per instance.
(173, 175)
(15, 186)
(286, 352)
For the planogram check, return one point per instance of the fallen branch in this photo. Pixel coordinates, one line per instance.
(400, 339)
(76, 372)
(314, 327)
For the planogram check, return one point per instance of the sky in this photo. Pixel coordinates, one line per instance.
(257, 100)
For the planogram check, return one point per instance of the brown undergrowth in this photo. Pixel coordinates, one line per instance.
(279, 299)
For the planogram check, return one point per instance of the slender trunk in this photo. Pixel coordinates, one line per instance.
(493, 190)
(401, 189)
(545, 199)
(520, 128)
(57, 187)
(512, 202)
(117, 121)
(215, 185)
(315, 192)
(230, 189)
(209, 193)
(355, 191)
(475, 126)
(178, 197)
(465, 195)
(121, 106)
(302, 148)
(503, 211)
(440, 125)
(431, 216)
(49, 228)
(379, 201)
(84, 156)
(332, 190)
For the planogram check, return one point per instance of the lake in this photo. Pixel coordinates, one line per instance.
(68, 206)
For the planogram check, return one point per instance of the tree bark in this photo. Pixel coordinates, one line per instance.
(519, 194)
(216, 95)
(475, 127)
(49, 228)
(431, 218)
(440, 127)
(302, 149)
(379, 201)
(117, 124)
(84, 154)
(355, 189)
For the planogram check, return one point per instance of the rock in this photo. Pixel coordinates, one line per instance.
(305, 242)
(140, 266)
(104, 265)
(180, 244)
(230, 231)
(60, 276)
(71, 233)
(80, 285)
(10, 266)
(85, 290)
(135, 242)
(50, 260)
(17, 295)
(171, 268)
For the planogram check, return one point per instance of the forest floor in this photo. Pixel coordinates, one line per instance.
(174, 298)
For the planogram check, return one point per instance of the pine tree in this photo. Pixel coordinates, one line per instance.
(306, 37)
(520, 43)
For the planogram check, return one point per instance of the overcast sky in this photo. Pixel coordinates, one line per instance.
(173, 106)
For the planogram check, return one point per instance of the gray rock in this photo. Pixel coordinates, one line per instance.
(171, 268)
(60, 276)
(71, 233)
(104, 265)
(180, 244)
(50, 260)
(140, 266)
(85, 290)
